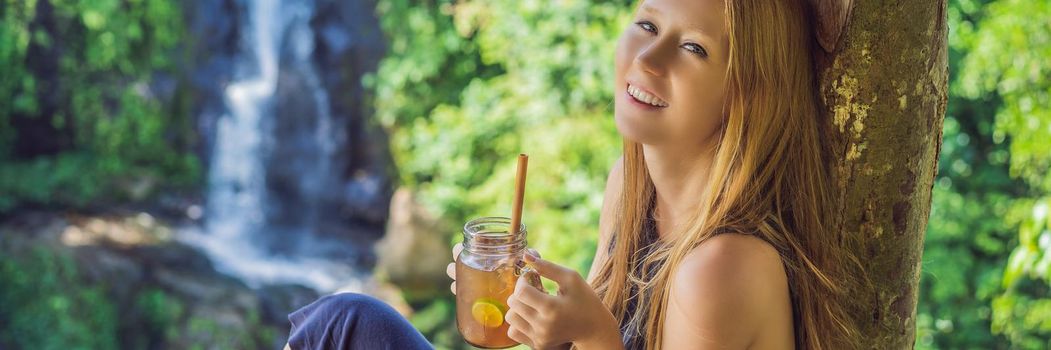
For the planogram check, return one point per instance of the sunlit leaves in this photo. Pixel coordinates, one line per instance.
(470, 84)
(1003, 63)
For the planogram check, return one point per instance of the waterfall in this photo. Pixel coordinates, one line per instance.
(238, 230)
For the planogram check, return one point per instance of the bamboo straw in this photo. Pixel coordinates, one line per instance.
(516, 209)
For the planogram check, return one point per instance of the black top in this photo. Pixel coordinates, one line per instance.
(633, 335)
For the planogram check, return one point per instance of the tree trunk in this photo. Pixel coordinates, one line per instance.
(884, 87)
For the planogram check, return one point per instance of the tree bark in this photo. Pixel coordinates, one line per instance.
(884, 87)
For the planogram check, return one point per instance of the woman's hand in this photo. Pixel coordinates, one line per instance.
(451, 268)
(576, 315)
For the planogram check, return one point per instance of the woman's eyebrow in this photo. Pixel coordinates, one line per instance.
(647, 8)
(692, 26)
(699, 29)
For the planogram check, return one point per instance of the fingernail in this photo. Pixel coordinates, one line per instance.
(529, 257)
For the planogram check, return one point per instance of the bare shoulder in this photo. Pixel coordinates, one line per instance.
(742, 260)
(724, 290)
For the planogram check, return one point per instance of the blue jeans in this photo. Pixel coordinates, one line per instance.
(352, 321)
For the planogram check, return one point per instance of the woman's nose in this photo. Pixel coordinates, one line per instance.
(652, 58)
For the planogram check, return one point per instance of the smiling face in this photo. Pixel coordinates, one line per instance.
(670, 73)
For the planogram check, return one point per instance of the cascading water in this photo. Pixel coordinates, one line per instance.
(239, 204)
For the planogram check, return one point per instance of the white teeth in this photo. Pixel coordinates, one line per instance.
(645, 97)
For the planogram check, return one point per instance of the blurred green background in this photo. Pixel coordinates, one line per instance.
(463, 87)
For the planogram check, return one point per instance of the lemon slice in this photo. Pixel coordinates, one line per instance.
(488, 312)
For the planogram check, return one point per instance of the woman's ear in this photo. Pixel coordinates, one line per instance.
(831, 17)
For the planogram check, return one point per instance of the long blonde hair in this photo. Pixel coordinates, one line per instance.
(768, 179)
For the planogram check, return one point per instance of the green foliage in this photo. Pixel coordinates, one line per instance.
(1009, 58)
(1023, 310)
(44, 305)
(15, 84)
(470, 84)
(83, 69)
(993, 190)
(437, 322)
(40, 180)
(160, 317)
(162, 320)
(207, 333)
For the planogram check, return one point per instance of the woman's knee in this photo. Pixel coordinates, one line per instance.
(356, 321)
(352, 300)
(355, 305)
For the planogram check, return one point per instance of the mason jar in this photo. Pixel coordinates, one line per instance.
(486, 272)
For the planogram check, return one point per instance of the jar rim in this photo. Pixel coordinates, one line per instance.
(473, 226)
(490, 236)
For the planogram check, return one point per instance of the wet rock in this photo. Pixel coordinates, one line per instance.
(280, 300)
(133, 257)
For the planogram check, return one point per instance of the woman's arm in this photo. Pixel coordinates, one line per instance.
(606, 220)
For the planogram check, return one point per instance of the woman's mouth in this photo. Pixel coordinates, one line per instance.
(645, 98)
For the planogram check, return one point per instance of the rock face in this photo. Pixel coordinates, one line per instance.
(134, 259)
(415, 251)
(349, 44)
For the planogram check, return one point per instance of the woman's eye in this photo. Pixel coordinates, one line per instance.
(697, 49)
(647, 26)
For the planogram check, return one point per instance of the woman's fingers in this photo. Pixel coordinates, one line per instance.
(515, 319)
(564, 276)
(456, 250)
(532, 251)
(451, 268)
(518, 336)
(527, 311)
(451, 271)
(530, 296)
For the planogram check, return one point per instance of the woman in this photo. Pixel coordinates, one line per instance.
(713, 232)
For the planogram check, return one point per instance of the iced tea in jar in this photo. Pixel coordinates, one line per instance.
(486, 272)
